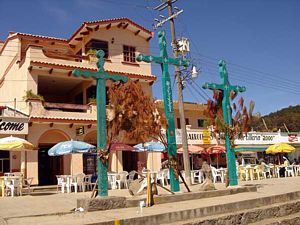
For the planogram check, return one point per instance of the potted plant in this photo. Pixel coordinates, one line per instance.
(92, 55)
(29, 95)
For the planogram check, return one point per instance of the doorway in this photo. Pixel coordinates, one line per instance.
(130, 160)
(48, 166)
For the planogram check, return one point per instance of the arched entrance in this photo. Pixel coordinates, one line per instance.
(50, 166)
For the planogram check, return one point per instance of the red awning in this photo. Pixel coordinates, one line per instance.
(193, 149)
(217, 149)
(121, 147)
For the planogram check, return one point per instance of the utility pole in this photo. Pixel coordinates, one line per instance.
(186, 158)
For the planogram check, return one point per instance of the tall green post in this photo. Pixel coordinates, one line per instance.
(101, 76)
(226, 88)
(164, 61)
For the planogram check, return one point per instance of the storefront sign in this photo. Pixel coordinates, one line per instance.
(196, 137)
(13, 125)
(204, 137)
(80, 131)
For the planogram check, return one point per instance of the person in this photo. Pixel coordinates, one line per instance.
(295, 162)
(286, 163)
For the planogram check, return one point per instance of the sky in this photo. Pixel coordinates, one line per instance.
(258, 39)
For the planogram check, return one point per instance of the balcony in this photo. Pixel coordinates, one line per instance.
(40, 111)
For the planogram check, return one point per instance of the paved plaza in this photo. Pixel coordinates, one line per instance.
(49, 208)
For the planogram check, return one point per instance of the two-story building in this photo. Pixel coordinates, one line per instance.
(32, 65)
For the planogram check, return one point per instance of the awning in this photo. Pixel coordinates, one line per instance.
(250, 148)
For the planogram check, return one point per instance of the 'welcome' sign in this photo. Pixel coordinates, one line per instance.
(13, 125)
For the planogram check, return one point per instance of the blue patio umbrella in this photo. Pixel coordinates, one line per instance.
(151, 146)
(68, 147)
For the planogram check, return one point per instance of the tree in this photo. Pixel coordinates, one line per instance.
(241, 118)
(132, 115)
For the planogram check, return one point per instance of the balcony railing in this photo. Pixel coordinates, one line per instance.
(66, 107)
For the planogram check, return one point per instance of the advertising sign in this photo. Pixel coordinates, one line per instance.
(13, 125)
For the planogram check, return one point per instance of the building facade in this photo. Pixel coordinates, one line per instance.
(35, 77)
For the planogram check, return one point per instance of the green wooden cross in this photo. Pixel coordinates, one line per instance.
(226, 88)
(101, 76)
(164, 61)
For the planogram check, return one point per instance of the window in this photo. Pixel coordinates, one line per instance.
(4, 161)
(178, 123)
(187, 121)
(97, 45)
(128, 54)
(200, 122)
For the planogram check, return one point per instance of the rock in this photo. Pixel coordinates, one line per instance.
(207, 185)
(135, 185)
(101, 203)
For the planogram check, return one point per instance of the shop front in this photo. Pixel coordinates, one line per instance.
(10, 161)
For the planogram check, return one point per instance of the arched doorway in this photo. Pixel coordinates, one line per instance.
(50, 166)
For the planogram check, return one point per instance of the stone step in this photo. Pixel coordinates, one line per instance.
(293, 219)
(44, 188)
(173, 217)
(280, 213)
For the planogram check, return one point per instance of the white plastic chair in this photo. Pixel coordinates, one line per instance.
(122, 179)
(61, 183)
(12, 185)
(131, 175)
(161, 177)
(216, 174)
(266, 169)
(289, 171)
(199, 176)
(72, 181)
(80, 181)
(88, 182)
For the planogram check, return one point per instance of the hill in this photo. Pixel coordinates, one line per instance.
(289, 116)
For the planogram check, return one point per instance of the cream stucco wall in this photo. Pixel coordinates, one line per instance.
(15, 78)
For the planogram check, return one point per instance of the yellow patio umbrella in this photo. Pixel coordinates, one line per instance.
(15, 144)
(280, 148)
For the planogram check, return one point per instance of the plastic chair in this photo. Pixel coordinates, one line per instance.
(161, 177)
(12, 185)
(131, 176)
(122, 179)
(243, 174)
(257, 171)
(88, 182)
(61, 183)
(216, 174)
(80, 181)
(26, 183)
(197, 175)
(72, 181)
(266, 172)
(289, 171)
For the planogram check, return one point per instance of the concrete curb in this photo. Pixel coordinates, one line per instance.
(205, 211)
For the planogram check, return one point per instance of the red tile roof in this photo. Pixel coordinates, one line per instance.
(121, 19)
(71, 67)
(38, 36)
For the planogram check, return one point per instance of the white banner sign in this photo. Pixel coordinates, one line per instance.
(13, 125)
(200, 137)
